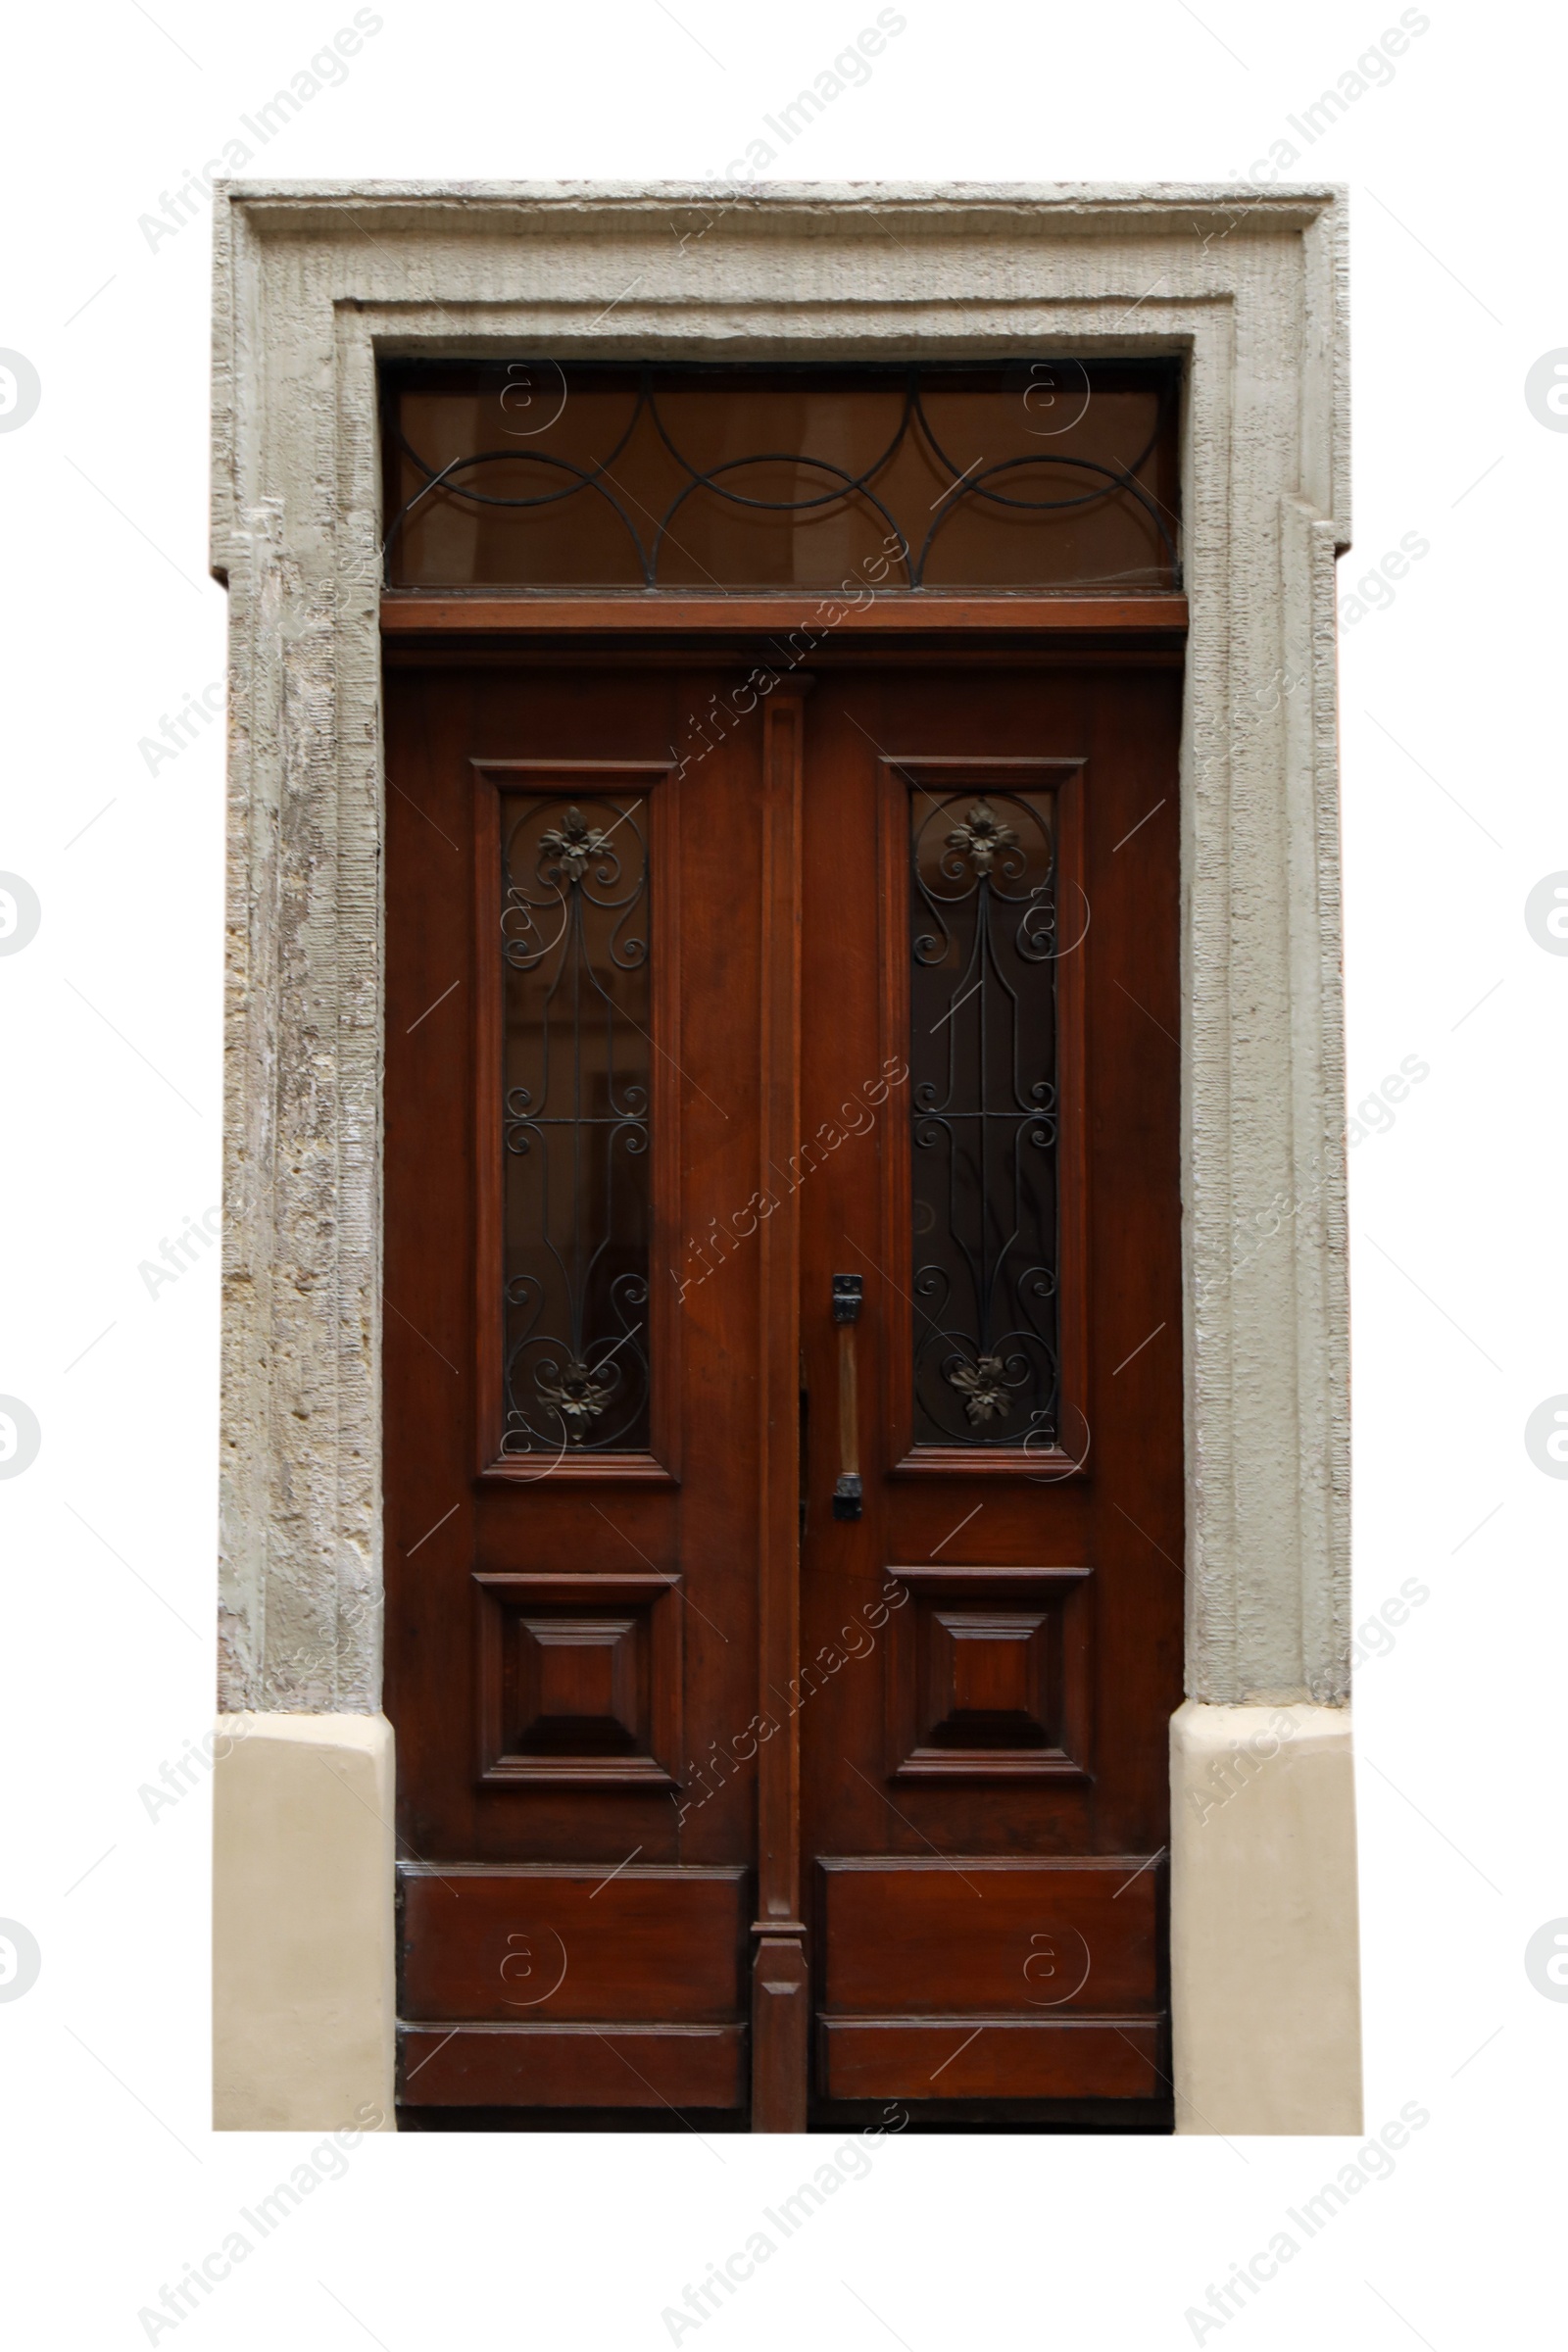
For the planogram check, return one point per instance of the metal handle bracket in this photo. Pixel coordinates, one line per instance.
(847, 1301)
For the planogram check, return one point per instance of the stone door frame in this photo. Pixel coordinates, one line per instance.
(314, 285)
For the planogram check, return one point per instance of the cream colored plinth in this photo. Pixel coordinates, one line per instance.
(302, 1986)
(1265, 1996)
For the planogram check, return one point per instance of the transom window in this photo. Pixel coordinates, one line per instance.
(1044, 473)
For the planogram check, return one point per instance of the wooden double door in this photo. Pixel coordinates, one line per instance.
(783, 1453)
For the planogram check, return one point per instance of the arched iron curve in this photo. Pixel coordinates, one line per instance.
(966, 486)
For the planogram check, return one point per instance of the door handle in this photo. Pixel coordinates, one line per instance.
(847, 1290)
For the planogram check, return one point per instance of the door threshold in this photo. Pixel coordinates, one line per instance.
(1086, 2117)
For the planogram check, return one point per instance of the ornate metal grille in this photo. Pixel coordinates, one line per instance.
(983, 1108)
(574, 928)
(544, 473)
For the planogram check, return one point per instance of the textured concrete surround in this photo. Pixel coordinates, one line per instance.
(311, 285)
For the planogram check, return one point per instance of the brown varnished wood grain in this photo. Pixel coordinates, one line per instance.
(777, 999)
(998, 2059)
(670, 2067)
(411, 614)
(780, 1979)
(1114, 1503)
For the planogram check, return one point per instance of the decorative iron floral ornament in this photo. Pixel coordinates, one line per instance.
(982, 837)
(980, 1385)
(578, 1396)
(983, 1111)
(570, 848)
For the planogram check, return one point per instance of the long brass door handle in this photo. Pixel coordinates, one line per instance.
(847, 1289)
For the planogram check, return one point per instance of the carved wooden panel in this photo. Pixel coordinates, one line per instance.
(676, 2068)
(988, 1673)
(581, 1944)
(986, 1678)
(579, 1684)
(991, 1936)
(594, 1986)
(1002, 2058)
(975, 1977)
(579, 1679)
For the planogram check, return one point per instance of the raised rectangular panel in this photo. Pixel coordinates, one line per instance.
(987, 1680)
(582, 1943)
(579, 1683)
(988, 1673)
(572, 2066)
(978, 1936)
(579, 1679)
(1000, 2058)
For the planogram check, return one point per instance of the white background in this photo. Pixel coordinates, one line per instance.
(1454, 809)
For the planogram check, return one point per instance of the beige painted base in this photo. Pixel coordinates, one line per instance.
(1266, 2012)
(303, 1984)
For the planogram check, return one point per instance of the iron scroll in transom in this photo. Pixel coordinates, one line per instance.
(550, 474)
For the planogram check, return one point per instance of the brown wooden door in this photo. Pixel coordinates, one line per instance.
(726, 1791)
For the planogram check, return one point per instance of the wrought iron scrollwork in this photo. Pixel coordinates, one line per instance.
(984, 1118)
(574, 943)
(1009, 486)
